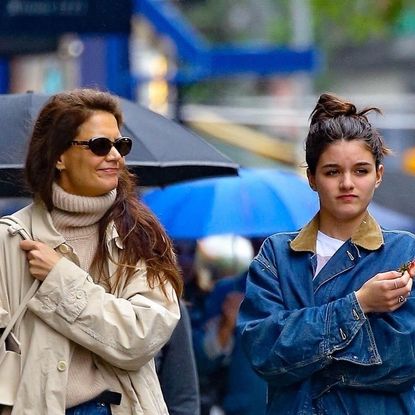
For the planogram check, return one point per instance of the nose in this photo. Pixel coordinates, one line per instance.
(113, 154)
(347, 181)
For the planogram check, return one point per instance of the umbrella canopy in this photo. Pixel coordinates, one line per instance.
(256, 203)
(392, 219)
(163, 151)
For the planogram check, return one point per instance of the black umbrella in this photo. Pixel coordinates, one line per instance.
(163, 151)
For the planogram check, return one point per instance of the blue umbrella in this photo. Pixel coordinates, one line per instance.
(391, 219)
(256, 203)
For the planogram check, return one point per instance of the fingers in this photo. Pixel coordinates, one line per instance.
(389, 275)
(41, 258)
(402, 287)
(28, 245)
(385, 292)
(404, 281)
(31, 248)
(400, 284)
(395, 287)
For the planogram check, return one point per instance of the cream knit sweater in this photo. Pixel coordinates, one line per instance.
(76, 218)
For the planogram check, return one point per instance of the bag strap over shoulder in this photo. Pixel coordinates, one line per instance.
(20, 310)
(16, 226)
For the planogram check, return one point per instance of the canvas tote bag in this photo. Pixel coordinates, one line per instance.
(10, 357)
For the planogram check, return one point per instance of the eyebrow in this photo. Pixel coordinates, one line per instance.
(334, 165)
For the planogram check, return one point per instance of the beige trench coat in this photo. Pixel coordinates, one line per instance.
(124, 331)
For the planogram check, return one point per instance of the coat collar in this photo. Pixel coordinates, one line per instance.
(368, 235)
(44, 230)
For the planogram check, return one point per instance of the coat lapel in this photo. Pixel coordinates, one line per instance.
(343, 260)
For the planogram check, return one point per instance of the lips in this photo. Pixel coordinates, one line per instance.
(110, 170)
(347, 197)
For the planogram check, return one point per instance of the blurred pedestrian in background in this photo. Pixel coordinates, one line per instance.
(227, 382)
(327, 336)
(108, 298)
(223, 366)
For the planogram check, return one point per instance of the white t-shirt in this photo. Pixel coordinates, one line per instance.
(326, 247)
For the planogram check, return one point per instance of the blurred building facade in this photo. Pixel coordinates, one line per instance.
(150, 59)
(146, 50)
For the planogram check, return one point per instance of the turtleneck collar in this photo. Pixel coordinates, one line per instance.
(74, 212)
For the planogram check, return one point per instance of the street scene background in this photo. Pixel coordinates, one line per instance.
(243, 74)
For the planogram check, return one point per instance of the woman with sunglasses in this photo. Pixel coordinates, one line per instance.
(328, 320)
(107, 301)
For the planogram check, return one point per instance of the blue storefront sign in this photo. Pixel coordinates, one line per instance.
(52, 17)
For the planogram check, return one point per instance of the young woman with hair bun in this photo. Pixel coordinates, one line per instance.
(328, 315)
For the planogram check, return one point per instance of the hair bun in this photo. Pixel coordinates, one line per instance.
(330, 106)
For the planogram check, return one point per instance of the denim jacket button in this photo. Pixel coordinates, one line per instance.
(355, 314)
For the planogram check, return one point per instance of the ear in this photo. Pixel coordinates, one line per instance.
(60, 164)
(311, 180)
(379, 175)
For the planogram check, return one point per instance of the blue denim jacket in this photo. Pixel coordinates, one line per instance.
(310, 340)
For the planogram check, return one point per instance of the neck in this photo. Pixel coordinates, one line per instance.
(338, 228)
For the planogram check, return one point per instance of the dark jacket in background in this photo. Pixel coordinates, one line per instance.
(176, 369)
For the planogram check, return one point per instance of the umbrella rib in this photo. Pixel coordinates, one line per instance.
(181, 163)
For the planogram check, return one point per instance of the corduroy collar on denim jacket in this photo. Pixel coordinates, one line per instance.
(368, 235)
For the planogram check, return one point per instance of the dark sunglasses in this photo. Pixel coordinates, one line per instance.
(101, 146)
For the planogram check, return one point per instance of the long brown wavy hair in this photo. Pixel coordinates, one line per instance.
(333, 119)
(142, 235)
